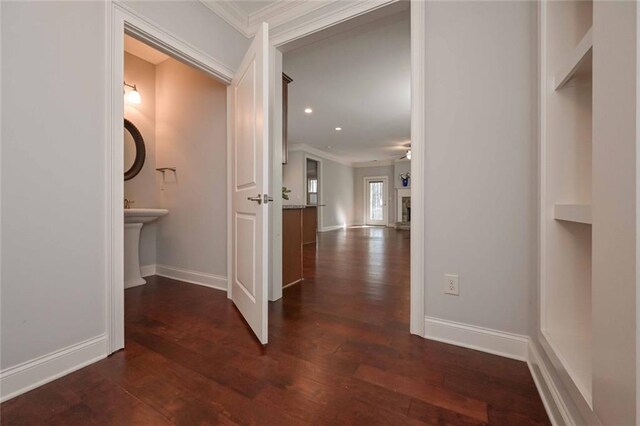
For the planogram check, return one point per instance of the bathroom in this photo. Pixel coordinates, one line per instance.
(175, 170)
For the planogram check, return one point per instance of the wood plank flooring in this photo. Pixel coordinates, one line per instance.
(339, 354)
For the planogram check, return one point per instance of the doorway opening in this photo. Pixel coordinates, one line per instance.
(354, 114)
(125, 20)
(376, 206)
(175, 137)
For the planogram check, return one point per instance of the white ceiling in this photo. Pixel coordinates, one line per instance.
(359, 80)
(142, 51)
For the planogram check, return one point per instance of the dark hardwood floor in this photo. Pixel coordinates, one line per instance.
(339, 353)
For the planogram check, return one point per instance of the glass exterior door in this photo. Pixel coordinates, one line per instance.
(376, 202)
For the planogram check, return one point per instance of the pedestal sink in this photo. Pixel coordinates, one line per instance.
(134, 219)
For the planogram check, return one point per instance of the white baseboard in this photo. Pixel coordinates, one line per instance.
(147, 270)
(557, 410)
(31, 374)
(192, 277)
(509, 345)
(495, 342)
(331, 228)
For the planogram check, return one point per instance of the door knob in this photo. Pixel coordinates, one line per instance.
(257, 199)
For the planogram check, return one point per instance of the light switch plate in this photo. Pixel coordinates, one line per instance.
(452, 284)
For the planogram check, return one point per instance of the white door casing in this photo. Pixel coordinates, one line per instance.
(248, 111)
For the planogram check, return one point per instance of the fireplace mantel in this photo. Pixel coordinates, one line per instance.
(400, 194)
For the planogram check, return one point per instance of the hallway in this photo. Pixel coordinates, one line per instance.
(339, 353)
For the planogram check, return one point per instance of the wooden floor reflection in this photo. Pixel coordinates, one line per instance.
(339, 353)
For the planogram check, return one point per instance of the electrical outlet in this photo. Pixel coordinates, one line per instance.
(452, 284)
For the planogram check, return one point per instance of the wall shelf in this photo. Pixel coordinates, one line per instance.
(578, 62)
(566, 164)
(578, 213)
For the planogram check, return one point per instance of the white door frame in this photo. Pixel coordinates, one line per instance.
(121, 19)
(366, 180)
(418, 121)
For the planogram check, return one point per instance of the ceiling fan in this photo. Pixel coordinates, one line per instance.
(407, 155)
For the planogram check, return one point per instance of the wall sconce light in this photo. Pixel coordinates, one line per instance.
(134, 96)
(408, 155)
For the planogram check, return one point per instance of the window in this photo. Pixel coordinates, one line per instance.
(312, 191)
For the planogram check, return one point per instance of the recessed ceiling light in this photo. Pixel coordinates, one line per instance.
(308, 110)
(338, 129)
(329, 146)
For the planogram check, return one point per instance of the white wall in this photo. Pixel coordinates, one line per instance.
(336, 188)
(53, 234)
(142, 188)
(191, 136)
(337, 194)
(480, 162)
(616, 292)
(53, 179)
(360, 174)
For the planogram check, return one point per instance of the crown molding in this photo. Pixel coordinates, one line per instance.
(230, 12)
(289, 20)
(303, 147)
(283, 11)
(375, 163)
(330, 14)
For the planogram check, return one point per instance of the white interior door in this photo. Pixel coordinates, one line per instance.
(376, 210)
(249, 109)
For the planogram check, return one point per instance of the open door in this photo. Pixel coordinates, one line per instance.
(249, 133)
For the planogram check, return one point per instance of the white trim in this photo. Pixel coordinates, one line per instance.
(332, 228)
(286, 18)
(302, 147)
(231, 13)
(281, 12)
(542, 188)
(509, 345)
(336, 12)
(31, 374)
(275, 87)
(148, 270)
(306, 156)
(418, 148)
(385, 197)
(157, 37)
(114, 184)
(298, 281)
(229, 192)
(121, 18)
(375, 163)
(192, 277)
(549, 393)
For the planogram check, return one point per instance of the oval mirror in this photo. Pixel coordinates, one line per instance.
(134, 150)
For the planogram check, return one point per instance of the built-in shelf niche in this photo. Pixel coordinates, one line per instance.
(566, 194)
(578, 213)
(578, 64)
